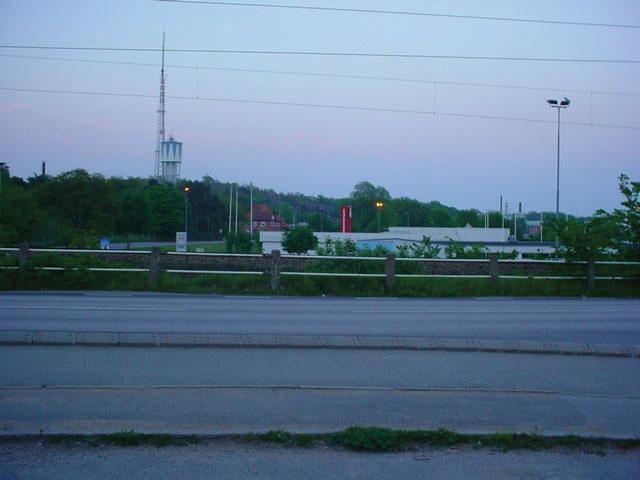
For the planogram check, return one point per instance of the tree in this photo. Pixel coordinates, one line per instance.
(167, 210)
(20, 217)
(133, 214)
(589, 239)
(470, 217)
(299, 240)
(363, 199)
(79, 199)
(629, 218)
(238, 242)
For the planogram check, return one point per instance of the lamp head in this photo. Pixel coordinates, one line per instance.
(565, 102)
(552, 102)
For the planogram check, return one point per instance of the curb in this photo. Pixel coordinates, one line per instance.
(341, 342)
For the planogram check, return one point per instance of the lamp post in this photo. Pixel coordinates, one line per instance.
(407, 214)
(186, 192)
(379, 206)
(558, 105)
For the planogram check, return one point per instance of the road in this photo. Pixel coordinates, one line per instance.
(100, 390)
(541, 319)
(223, 460)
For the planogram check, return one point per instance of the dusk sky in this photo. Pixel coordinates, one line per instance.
(463, 162)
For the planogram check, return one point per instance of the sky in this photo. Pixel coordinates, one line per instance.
(464, 160)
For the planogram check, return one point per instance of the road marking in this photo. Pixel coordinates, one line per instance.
(143, 309)
(377, 298)
(108, 294)
(487, 312)
(246, 297)
(337, 388)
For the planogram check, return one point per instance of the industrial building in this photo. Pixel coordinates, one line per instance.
(495, 240)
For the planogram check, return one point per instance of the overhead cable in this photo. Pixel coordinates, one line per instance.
(330, 75)
(317, 105)
(325, 54)
(400, 12)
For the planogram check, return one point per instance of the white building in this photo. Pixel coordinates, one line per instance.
(495, 240)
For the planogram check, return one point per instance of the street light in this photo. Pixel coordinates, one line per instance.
(379, 206)
(558, 105)
(186, 191)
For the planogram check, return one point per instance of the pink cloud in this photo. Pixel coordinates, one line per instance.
(12, 107)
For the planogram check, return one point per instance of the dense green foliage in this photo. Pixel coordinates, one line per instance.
(75, 208)
(299, 240)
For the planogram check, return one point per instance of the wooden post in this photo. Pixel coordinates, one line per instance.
(23, 255)
(390, 271)
(154, 267)
(275, 270)
(493, 269)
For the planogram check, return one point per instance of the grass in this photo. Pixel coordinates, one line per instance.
(126, 439)
(362, 439)
(377, 439)
(312, 286)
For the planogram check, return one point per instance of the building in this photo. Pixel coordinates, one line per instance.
(534, 228)
(265, 220)
(495, 240)
(170, 160)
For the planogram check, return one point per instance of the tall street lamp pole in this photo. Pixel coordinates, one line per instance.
(379, 206)
(186, 192)
(558, 105)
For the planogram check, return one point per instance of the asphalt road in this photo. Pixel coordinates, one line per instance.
(224, 460)
(208, 391)
(541, 319)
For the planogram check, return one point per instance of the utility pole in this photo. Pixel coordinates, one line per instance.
(237, 188)
(501, 211)
(540, 227)
(230, 204)
(251, 209)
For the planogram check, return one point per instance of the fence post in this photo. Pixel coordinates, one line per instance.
(493, 269)
(390, 271)
(275, 269)
(591, 274)
(154, 267)
(23, 255)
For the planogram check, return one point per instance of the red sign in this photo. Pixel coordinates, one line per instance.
(345, 218)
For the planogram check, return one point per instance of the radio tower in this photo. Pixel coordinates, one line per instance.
(161, 112)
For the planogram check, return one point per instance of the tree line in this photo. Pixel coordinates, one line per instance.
(76, 207)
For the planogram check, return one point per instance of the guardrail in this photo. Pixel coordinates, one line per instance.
(273, 265)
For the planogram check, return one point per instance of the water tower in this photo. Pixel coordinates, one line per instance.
(170, 160)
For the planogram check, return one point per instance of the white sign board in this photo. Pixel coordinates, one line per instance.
(181, 241)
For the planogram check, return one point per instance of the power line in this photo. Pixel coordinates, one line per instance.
(400, 12)
(332, 75)
(324, 54)
(317, 105)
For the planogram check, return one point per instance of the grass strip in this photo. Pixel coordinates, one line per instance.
(377, 439)
(356, 438)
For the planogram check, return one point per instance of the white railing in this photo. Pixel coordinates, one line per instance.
(393, 274)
